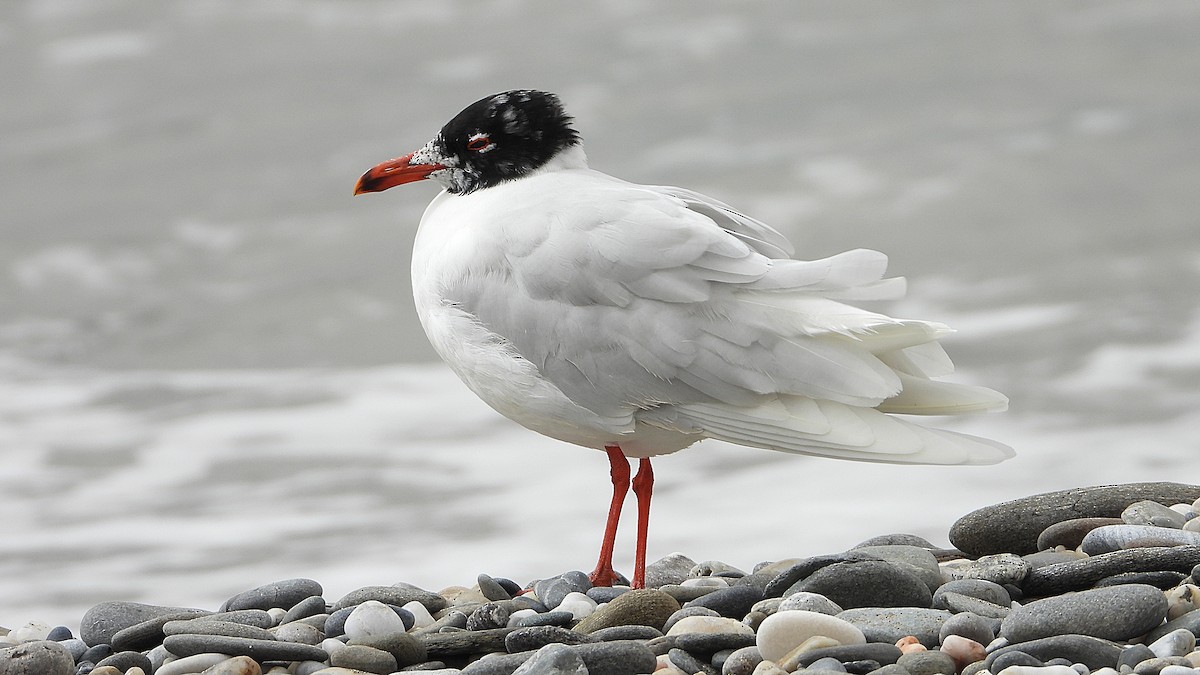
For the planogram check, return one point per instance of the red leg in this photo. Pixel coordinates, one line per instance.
(604, 575)
(643, 487)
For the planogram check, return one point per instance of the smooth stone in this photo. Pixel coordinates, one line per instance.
(1179, 642)
(1178, 670)
(149, 633)
(406, 649)
(96, 654)
(715, 568)
(671, 569)
(889, 624)
(706, 582)
(928, 663)
(192, 664)
(514, 618)
(362, 657)
(491, 589)
(1111, 538)
(782, 632)
(205, 626)
(1043, 558)
(579, 605)
(1133, 655)
(620, 657)
(107, 670)
(488, 616)
(31, 631)
(462, 643)
(957, 602)
(684, 594)
(1000, 568)
(1082, 574)
(372, 618)
(1014, 526)
(1016, 658)
(970, 626)
(310, 606)
(536, 637)
(553, 659)
(259, 650)
(742, 661)
(769, 668)
(1091, 651)
(689, 664)
(785, 581)
(298, 631)
(282, 594)
(420, 614)
(1163, 580)
(981, 589)
(710, 624)
(625, 633)
(733, 602)
(917, 560)
(1039, 670)
(552, 591)
(399, 595)
(100, 623)
(1147, 512)
(603, 594)
(1189, 621)
(683, 614)
(866, 583)
(898, 539)
(125, 660)
(870, 651)
(75, 646)
(811, 602)
(711, 643)
(1155, 665)
(553, 618)
(645, 607)
(1181, 599)
(1129, 610)
(251, 617)
(238, 665)
(1070, 533)
(37, 657)
(963, 650)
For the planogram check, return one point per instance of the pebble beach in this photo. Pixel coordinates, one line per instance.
(1097, 580)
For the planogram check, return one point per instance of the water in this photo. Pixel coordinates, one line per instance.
(212, 376)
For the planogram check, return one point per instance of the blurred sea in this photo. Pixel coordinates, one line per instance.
(211, 375)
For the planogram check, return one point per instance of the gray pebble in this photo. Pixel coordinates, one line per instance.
(892, 669)
(463, 643)
(59, 633)
(672, 569)
(104, 620)
(205, 626)
(536, 637)
(733, 602)
(889, 624)
(75, 646)
(552, 591)
(1189, 621)
(1015, 657)
(742, 662)
(310, 606)
(619, 657)
(1162, 580)
(364, 658)
(96, 654)
(1081, 574)
(867, 583)
(784, 581)
(690, 664)
(250, 617)
(1133, 655)
(553, 660)
(970, 626)
(1128, 611)
(406, 649)
(1043, 558)
(125, 660)
(880, 652)
(715, 568)
(602, 594)
(896, 540)
(710, 643)
(1070, 533)
(957, 602)
(1090, 651)
(919, 561)
(283, 594)
(1117, 537)
(298, 631)
(928, 663)
(828, 664)
(625, 633)
(149, 633)
(488, 616)
(685, 594)
(975, 588)
(684, 613)
(491, 589)
(1147, 512)
(1156, 665)
(546, 619)
(644, 607)
(1014, 526)
(498, 664)
(809, 602)
(259, 650)
(398, 595)
(1001, 568)
(37, 657)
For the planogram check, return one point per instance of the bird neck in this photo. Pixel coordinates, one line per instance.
(571, 157)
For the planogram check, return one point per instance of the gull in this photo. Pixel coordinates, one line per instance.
(639, 319)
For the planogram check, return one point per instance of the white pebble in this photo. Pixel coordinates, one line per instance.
(707, 582)
(191, 664)
(1176, 643)
(421, 615)
(34, 630)
(578, 604)
(276, 614)
(1038, 670)
(1177, 670)
(783, 631)
(768, 668)
(331, 645)
(373, 618)
(710, 625)
(515, 617)
(1105, 671)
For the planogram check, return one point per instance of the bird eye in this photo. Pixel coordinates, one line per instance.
(479, 143)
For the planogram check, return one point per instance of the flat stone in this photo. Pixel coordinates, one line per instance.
(298, 631)
(1070, 533)
(708, 624)
(399, 595)
(491, 589)
(259, 650)
(1189, 621)
(1090, 651)
(742, 662)
(103, 621)
(784, 581)
(976, 588)
(1133, 655)
(39, 657)
(671, 569)
(685, 594)
(463, 643)
(205, 626)
(1179, 642)
(1162, 579)
(553, 618)
(1111, 538)
(710, 643)
(310, 606)
(251, 617)
(619, 657)
(192, 664)
(1152, 513)
(970, 626)
(553, 659)
(928, 663)
(733, 602)
(1014, 526)
(1001, 568)
(238, 665)
(812, 602)
(1082, 574)
(645, 607)
(364, 658)
(782, 632)
(889, 624)
(536, 637)
(283, 594)
(625, 633)
(866, 583)
(149, 633)
(125, 660)
(1128, 611)
(879, 652)
(957, 602)
(602, 594)
(914, 559)
(406, 649)
(552, 591)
